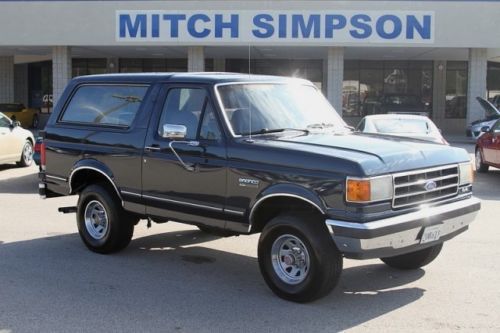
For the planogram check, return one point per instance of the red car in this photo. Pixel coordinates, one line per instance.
(488, 148)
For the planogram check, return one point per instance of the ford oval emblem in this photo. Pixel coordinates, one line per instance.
(430, 185)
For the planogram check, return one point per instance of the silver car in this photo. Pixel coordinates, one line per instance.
(492, 114)
(16, 143)
(402, 125)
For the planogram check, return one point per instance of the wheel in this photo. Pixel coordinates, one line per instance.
(480, 165)
(26, 155)
(298, 258)
(103, 225)
(35, 122)
(414, 260)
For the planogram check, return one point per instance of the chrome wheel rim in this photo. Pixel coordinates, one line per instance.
(27, 153)
(478, 159)
(290, 259)
(96, 220)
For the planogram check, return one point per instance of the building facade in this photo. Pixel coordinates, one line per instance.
(431, 57)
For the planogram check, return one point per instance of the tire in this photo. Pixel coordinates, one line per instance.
(480, 165)
(35, 122)
(415, 259)
(319, 262)
(26, 155)
(103, 225)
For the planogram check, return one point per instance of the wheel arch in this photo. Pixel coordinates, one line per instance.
(276, 198)
(86, 172)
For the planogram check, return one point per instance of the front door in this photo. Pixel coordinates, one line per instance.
(184, 179)
(495, 144)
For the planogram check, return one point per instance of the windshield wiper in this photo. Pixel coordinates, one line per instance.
(130, 99)
(320, 125)
(275, 130)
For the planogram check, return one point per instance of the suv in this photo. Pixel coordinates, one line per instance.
(243, 154)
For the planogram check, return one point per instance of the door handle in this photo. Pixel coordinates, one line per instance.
(152, 148)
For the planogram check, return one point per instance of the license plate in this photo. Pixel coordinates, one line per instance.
(431, 234)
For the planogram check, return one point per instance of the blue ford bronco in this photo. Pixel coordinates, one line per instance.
(243, 154)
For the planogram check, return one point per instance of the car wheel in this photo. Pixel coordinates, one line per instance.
(35, 122)
(26, 155)
(480, 165)
(414, 260)
(298, 258)
(103, 225)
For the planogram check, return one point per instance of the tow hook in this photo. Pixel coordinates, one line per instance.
(67, 210)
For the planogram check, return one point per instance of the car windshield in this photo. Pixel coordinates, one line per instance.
(258, 108)
(10, 107)
(400, 126)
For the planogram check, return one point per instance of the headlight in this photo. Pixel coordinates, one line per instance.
(369, 189)
(466, 173)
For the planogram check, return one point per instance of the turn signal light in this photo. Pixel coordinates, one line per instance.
(358, 190)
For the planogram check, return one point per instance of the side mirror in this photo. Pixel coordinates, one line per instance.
(174, 132)
(15, 124)
(485, 129)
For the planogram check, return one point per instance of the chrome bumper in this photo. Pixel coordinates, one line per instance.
(401, 234)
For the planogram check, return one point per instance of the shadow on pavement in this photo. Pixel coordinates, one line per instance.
(487, 185)
(27, 184)
(160, 284)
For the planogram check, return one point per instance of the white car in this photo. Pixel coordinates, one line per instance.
(402, 125)
(16, 143)
(492, 114)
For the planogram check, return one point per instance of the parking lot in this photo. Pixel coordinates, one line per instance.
(174, 278)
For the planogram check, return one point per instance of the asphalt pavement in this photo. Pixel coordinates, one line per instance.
(174, 278)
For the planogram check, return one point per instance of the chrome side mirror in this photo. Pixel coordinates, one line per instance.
(174, 132)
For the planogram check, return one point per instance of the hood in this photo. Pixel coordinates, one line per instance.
(376, 154)
(489, 109)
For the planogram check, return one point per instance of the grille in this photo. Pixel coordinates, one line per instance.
(410, 187)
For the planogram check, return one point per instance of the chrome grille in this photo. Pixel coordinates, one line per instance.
(410, 187)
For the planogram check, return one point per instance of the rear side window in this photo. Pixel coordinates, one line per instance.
(112, 105)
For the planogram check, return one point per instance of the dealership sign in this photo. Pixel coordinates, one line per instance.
(285, 27)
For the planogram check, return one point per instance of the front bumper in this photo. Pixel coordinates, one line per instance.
(402, 234)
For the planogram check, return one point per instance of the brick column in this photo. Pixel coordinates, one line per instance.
(476, 84)
(196, 59)
(6, 79)
(335, 77)
(61, 70)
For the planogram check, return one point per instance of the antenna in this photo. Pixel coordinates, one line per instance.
(249, 104)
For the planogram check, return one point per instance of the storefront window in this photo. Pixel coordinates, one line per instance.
(88, 66)
(456, 89)
(493, 84)
(387, 86)
(128, 65)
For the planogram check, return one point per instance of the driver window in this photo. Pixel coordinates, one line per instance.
(183, 106)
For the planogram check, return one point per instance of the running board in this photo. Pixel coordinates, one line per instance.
(67, 210)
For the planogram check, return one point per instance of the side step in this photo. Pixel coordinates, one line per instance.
(67, 210)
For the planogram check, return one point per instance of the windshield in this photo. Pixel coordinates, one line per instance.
(414, 126)
(264, 107)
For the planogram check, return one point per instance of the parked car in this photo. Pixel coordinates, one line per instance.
(492, 114)
(488, 148)
(28, 117)
(403, 104)
(408, 126)
(251, 154)
(16, 143)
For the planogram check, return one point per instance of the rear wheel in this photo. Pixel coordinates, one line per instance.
(415, 259)
(103, 225)
(298, 258)
(26, 155)
(480, 165)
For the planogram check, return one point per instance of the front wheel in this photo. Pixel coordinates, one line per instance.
(103, 225)
(298, 258)
(26, 155)
(415, 259)
(480, 165)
